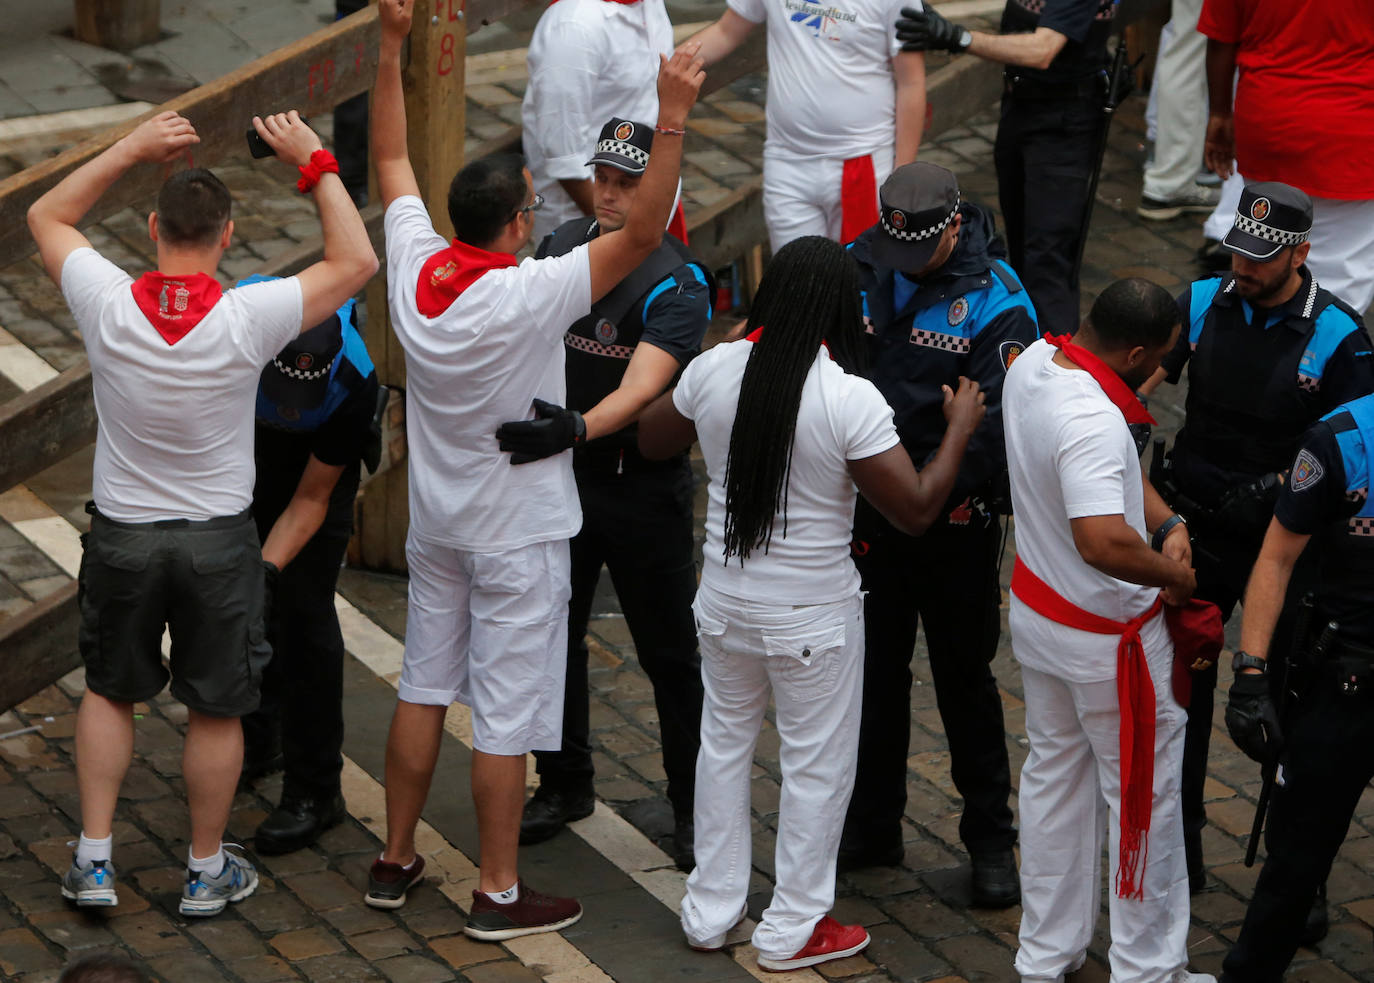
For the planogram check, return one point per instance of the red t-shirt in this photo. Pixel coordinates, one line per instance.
(1305, 100)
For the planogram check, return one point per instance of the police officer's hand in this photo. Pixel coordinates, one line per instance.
(926, 30)
(964, 408)
(1251, 717)
(553, 430)
(1219, 146)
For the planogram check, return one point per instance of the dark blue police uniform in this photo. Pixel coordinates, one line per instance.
(1257, 378)
(970, 317)
(1328, 756)
(302, 689)
(636, 513)
(1046, 149)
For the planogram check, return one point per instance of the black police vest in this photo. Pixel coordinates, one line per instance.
(599, 345)
(1246, 410)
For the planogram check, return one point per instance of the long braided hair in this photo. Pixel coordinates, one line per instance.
(809, 296)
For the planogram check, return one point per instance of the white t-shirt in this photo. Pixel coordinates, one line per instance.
(475, 366)
(175, 432)
(588, 60)
(842, 418)
(1070, 455)
(831, 91)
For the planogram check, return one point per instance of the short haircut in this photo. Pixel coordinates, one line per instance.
(192, 208)
(1133, 312)
(103, 967)
(485, 195)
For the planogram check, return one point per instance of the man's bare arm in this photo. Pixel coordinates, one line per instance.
(1107, 543)
(650, 371)
(1148, 387)
(1268, 586)
(53, 218)
(720, 38)
(663, 431)
(1034, 50)
(303, 515)
(1219, 148)
(387, 120)
(909, 72)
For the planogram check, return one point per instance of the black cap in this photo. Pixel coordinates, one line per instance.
(916, 203)
(624, 144)
(298, 377)
(1270, 216)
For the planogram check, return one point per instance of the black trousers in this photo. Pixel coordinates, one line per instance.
(947, 581)
(1327, 762)
(1045, 154)
(639, 525)
(302, 689)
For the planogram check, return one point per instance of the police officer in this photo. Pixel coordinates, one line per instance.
(1327, 743)
(1053, 91)
(636, 514)
(1269, 352)
(940, 301)
(315, 425)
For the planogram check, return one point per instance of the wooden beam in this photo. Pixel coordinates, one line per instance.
(46, 424)
(39, 645)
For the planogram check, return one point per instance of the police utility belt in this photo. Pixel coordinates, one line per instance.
(1245, 508)
(1031, 89)
(1339, 658)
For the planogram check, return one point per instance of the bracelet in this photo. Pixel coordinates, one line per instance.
(322, 162)
(1165, 527)
(669, 131)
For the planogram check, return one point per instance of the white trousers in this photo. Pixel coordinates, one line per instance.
(811, 657)
(801, 195)
(1224, 215)
(1180, 93)
(1070, 794)
(1342, 256)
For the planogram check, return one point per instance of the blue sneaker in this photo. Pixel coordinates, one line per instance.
(209, 894)
(92, 885)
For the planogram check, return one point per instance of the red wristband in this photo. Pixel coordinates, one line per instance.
(322, 162)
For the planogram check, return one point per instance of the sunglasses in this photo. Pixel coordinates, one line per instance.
(533, 206)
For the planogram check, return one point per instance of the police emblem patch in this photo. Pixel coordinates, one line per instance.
(958, 311)
(605, 332)
(1307, 471)
(624, 131)
(304, 360)
(1259, 211)
(1008, 351)
(897, 219)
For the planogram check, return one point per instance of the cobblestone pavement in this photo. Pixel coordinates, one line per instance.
(307, 920)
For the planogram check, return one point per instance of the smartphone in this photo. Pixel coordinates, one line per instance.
(257, 146)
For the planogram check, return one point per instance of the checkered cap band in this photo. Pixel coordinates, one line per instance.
(596, 348)
(1246, 224)
(917, 235)
(624, 149)
(302, 375)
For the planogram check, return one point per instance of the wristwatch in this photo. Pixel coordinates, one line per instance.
(1244, 660)
(965, 39)
(1165, 527)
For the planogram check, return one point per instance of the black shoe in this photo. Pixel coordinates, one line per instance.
(297, 823)
(1318, 921)
(855, 854)
(996, 883)
(684, 844)
(549, 810)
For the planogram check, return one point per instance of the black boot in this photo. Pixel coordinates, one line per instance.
(549, 810)
(996, 882)
(1318, 920)
(298, 822)
(684, 843)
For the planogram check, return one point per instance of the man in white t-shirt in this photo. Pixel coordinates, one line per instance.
(487, 549)
(588, 60)
(845, 106)
(175, 362)
(1094, 650)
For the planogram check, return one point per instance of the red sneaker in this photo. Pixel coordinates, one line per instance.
(830, 940)
(530, 914)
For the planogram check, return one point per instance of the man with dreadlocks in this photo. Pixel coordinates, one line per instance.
(788, 428)
(1106, 734)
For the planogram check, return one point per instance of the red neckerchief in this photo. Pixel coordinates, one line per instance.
(175, 304)
(757, 333)
(1117, 391)
(1136, 695)
(452, 270)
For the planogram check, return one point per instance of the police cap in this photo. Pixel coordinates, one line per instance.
(916, 203)
(1270, 216)
(624, 145)
(298, 377)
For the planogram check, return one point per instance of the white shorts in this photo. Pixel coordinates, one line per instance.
(490, 630)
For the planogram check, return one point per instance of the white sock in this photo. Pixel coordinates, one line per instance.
(509, 896)
(212, 864)
(89, 850)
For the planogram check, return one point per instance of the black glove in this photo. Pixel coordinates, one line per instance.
(553, 431)
(1251, 717)
(926, 30)
(1249, 507)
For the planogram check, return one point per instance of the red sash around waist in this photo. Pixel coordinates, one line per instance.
(1136, 694)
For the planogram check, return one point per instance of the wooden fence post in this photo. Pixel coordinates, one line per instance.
(435, 118)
